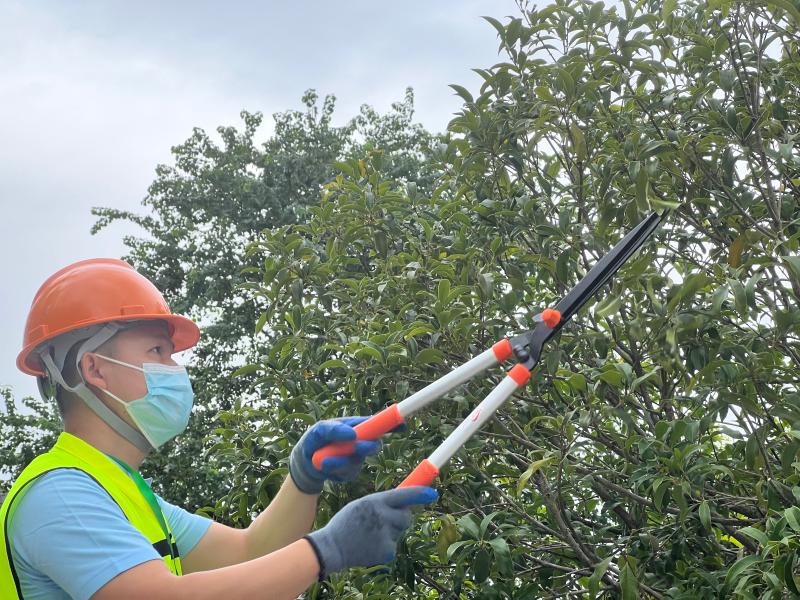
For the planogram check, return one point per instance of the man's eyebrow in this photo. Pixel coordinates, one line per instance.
(162, 337)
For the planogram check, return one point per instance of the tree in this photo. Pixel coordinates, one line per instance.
(204, 211)
(655, 452)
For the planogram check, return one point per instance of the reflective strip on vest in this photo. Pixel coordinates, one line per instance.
(71, 452)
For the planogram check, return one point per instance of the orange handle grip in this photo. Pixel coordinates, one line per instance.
(424, 474)
(371, 429)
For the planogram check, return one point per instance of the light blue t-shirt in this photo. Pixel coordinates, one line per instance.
(69, 537)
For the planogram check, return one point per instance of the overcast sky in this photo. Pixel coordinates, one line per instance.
(94, 93)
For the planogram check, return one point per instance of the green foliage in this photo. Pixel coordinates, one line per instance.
(25, 432)
(655, 452)
(203, 212)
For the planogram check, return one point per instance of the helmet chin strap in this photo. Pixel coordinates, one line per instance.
(108, 416)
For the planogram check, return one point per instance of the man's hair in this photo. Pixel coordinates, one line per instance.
(64, 398)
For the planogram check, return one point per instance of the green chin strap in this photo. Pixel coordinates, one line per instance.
(81, 390)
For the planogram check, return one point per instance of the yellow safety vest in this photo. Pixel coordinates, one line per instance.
(71, 452)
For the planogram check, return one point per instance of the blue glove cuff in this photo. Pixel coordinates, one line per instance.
(327, 550)
(323, 572)
(305, 482)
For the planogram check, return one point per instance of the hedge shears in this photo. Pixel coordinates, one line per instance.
(526, 348)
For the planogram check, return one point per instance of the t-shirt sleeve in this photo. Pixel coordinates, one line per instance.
(187, 528)
(69, 529)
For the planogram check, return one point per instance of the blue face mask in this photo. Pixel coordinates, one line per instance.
(164, 411)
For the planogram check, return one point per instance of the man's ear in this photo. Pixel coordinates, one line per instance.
(93, 370)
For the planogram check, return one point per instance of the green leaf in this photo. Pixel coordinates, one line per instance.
(552, 360)
(262, 320)
(642, 181)
(751, 452)
(718, 299)
(245, 370)
(443, 292)
(562, 267)
(727, 79)
(688, 289)
(788, 7)
(596, 12)
(653, 148)
(468, 525)
(793, 264)
(448, 534)
(792, 515)
(739, 297)
(577, 382)
(704, 512)
(659, 492)
(664, 203)
(788, 574)
(667, 9)
(381, 243)
(756, 534)
(486, 522)
(463, 92)
(485, 284)
(333, 363)
(597, 576)
(532, 468)
(578, 142)
(455, 546)
(612, 377)
(501, 31)
(739, 567)
(628, 582)
(502, 555)
(429, 356)
(565, 83)
(482, 565)
(654, 375)
(750, 288)
(607, 306)
(680, 499)
(418, 330)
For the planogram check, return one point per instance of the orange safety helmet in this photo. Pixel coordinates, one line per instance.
(92, 292)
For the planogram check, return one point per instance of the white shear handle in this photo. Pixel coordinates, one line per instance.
(427, 471)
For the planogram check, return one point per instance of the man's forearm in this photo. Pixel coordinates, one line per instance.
(282, 575)
(288, 517)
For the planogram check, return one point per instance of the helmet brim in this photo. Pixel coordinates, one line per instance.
(183, 332)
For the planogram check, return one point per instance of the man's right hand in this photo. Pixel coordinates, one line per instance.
(366, 531)
(363, 533)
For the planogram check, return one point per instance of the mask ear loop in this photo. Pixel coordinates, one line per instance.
(152, 368)
(108, 416)
(120, 362)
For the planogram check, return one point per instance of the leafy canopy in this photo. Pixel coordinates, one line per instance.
(655, 453)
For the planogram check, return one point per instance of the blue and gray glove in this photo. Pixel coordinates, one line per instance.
(365, 532)
(306, 476)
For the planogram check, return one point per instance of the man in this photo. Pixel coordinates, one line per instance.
(81, 522)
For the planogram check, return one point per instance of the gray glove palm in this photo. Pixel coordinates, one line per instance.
(365, 532)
